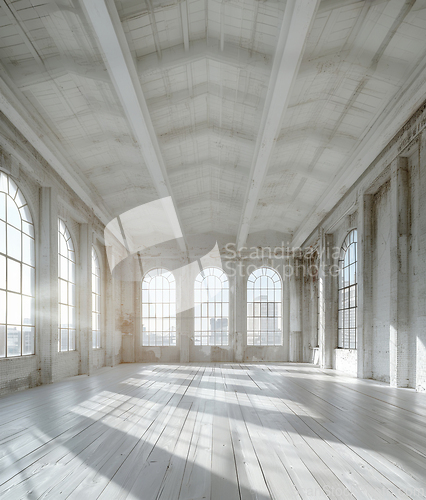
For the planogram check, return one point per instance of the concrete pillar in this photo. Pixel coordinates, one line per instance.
(295, 289)
(420, 271)
(239, 312)
(365, 288)
(47, 277)
(85, 300)
(399, 342)
(127, 320)
(327, 302)
(109, 316)
(185, 318)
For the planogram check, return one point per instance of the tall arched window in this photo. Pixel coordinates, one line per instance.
(96, 301)
(159, 308)
(264, 325)
(17, 272)
(348, 299)
(211, 312)
(66, 275)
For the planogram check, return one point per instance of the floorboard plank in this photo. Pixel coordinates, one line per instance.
(214, 432)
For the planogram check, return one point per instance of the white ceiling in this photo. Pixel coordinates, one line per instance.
(252, 115)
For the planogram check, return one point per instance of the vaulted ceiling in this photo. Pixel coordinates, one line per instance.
(252, 115)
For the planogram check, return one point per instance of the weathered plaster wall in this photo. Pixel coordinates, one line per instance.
(381, 283)
(388, 205)
(47, 364)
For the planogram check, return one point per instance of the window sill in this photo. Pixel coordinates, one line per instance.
(14, 358)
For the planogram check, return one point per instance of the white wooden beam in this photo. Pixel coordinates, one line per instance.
(398, 110)
(106, 23)
(30, 124)
(185, 24)
(298, 17)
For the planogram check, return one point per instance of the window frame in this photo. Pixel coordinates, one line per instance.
(148, 337)
(254, 312)
(8, 186)
(203, 336)
(61, 305)
(348, 293)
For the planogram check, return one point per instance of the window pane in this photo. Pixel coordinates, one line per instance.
(64, 340)
(28, 340)
(28, 311)
(2, 237)
(2, 271)
(13, 215)
(2, 306)
(71, 294)
(2, 341)
(13, 242)
(13, 340)
(28, 280)
(13, 308)
(13, 276)
(27, 250)
(3, 206)
(71, 317)
(63, 291)
(64, 316)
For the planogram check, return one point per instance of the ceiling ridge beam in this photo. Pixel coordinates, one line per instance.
(177, 56)
(296, 24)
(29, 123)
(107, 25)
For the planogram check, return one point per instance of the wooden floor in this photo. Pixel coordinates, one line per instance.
(213, 431)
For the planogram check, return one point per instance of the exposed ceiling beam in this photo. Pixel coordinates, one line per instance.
(234, 55)
(106, 23)
(29, 73)
(395, 114)
(31, 125)
(185, 23)
(298, 17)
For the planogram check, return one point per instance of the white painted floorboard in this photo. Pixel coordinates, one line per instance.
(213, 431)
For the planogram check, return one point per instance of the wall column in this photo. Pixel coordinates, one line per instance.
(185, 318)
(85, 295)
(421, 271)
(109, 317)
(399, 342)
(327, 337)
(295, 340)
(47, 277)
(239, 311)
(365, 290)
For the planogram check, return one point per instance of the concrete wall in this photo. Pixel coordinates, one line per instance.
(381, 283)
(388, 206)
(237, 270)
(49, 197)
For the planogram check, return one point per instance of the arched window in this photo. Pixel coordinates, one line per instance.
(159, 308)
(96, 301)
(264, 326)
(17, 272)
(66, 275)
(211, 301)
(348, 299)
